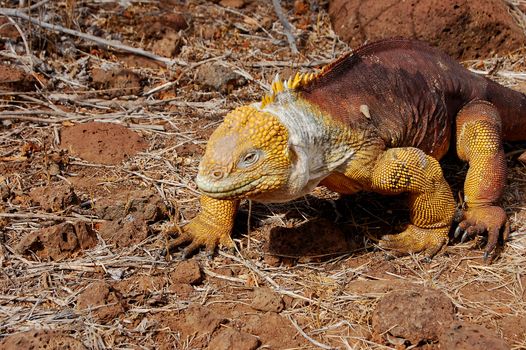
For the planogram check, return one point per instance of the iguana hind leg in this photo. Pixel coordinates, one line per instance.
(431, 202)
(479, 142)
(210, 228)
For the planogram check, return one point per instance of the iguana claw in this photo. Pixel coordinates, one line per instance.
(198, 233)
(458, 231)
(210, 228)
(479, 220)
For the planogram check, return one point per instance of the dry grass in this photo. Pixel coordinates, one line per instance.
(326, 307)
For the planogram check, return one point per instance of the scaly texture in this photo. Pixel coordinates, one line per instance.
(479, 143)
(375, 120)
(211, 227)
(234, 155)
(430, 199)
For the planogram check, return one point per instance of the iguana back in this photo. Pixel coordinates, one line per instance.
(413, 93)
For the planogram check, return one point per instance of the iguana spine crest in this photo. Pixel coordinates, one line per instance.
(299, 80)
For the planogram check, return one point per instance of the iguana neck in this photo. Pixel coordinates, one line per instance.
(319, 145)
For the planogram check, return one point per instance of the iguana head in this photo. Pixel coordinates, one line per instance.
(246, 156)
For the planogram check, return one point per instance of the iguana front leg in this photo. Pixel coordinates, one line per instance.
(431, 202)
(479, 142)
(210, 228)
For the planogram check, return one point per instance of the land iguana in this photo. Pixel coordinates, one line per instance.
(377, 119)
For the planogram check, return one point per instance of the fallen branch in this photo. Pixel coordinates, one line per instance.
(109, 43)
(305, 335)
(35, 6)
(48, 217)
(186, 70)
(287, 27)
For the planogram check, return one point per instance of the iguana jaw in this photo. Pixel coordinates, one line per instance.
(233, 190)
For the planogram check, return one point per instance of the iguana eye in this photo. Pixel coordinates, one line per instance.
(249, 159)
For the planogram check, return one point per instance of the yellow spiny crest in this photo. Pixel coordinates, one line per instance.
(300, 79)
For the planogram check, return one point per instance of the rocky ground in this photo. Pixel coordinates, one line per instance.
(98, 150)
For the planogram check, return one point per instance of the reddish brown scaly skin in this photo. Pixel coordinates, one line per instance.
(420, 97)
(399, 105)
(414, 93)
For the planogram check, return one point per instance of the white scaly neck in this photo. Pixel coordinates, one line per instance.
(318, 143)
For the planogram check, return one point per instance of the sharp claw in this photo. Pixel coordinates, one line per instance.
(389, 257)
(506, 233)
(210, 253)
(426, 260)
(485, 256)
(458, 231)
(186, 254)
(168, 250)
(188, 251)
(465, 237)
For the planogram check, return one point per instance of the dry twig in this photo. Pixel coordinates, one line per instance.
(108, 43)
(287, 27)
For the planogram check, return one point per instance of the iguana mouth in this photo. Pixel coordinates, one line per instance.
(228, 192)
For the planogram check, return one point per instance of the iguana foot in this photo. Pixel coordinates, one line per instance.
(199, 233)
(416, 239)
(491, 219)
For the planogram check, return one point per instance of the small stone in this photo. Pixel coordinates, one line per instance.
(175, 21)
(168, 46)
(199, 320)
(115, 81)
(102, 301)
(182, 290)
(232, 3)
(41, 339)
(466, 336)
(131, 229)
(13, 78)
(102, 143)
(301, 7)
(217, 77)
(265, 299)
(188, 272)
(118, 205)
(417, 315)
(272, 260)
(58, 242)
(54, 198)
(232, 339)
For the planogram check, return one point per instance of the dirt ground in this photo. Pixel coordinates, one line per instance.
(98, 151)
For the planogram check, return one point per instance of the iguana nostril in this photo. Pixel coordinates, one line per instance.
(217, 174)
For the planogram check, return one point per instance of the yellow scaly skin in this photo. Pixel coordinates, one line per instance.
(479, 143)
(308, 132)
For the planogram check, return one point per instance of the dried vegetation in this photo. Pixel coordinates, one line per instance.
(122, 293)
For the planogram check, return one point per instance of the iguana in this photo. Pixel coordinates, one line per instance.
(377, 119)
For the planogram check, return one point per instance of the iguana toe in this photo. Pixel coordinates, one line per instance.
(416, 239)
(491, 220)
(199, 233)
